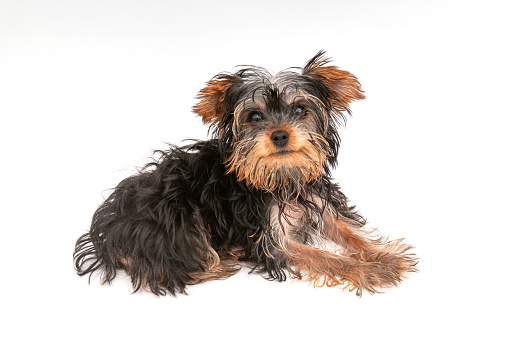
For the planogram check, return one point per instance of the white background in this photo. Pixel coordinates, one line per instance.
(89, 88)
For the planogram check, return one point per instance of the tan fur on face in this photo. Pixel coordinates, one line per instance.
(263, 168)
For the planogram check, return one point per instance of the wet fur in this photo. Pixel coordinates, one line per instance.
(196, 212)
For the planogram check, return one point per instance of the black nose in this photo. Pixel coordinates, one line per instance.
(280, 138)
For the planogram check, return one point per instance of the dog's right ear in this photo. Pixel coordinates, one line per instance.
(211, 107)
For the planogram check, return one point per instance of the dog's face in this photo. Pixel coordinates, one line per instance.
(279, 132)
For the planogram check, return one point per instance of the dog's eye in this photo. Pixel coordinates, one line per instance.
(299, 110)
(255, 116)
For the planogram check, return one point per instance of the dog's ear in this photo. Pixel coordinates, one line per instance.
(342, 86)
(211, 107)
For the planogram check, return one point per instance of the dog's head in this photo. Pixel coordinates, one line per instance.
(278, 130)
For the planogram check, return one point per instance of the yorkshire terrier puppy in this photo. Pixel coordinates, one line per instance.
(259, 192)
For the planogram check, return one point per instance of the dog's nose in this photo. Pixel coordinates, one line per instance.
(280, 138)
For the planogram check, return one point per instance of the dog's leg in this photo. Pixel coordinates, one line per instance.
(180, 254)
(362, 264)
(325, 268)
(364, 246)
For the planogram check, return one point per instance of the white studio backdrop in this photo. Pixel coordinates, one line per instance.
(88, 89)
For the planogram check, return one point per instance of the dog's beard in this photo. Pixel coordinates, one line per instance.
(284, 171)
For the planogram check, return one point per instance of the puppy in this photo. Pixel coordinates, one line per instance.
(260, 191)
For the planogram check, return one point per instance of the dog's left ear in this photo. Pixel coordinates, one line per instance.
(342, 85)
(211, 107)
